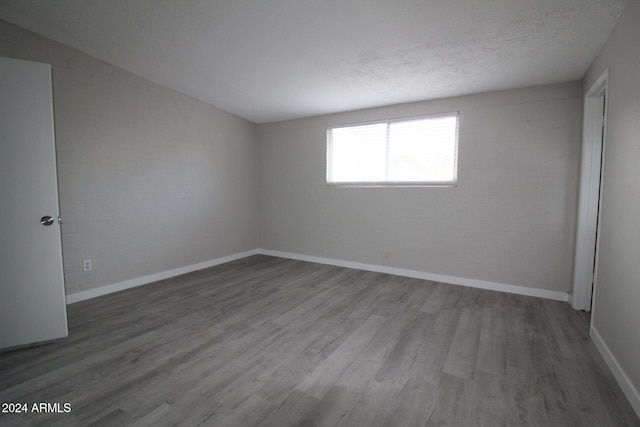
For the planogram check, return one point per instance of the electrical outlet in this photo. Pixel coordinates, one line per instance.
(86, 265)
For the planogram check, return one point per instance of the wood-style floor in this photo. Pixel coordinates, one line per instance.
(273, 342)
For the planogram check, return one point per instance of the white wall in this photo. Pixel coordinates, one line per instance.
(150, 179)
(616, 315)
(510, 220)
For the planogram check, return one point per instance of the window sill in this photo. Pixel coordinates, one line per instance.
(392, 184)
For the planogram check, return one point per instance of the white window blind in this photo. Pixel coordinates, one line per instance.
(412, 151)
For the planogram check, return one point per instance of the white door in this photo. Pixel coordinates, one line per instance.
(32, 298)
(593, 143)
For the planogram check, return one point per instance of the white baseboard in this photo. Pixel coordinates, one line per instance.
(625, 383)
(473, 283)
(139, 281)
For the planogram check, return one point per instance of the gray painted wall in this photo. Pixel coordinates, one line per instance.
(150, 179)
(617, 299)
(510, 219)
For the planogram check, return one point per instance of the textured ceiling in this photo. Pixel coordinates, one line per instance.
(282, 59)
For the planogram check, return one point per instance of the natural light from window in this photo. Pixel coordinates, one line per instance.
(413, 151)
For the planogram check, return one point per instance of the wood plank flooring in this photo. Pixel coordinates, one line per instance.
(266, 341)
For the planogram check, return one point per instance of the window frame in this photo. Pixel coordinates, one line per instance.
(389, 183)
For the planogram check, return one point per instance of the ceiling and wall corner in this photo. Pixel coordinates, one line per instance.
(267, 61)
(151, 182)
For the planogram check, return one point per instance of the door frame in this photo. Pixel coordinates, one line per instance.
(594, 136)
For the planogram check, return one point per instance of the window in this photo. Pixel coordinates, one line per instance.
(411, 151)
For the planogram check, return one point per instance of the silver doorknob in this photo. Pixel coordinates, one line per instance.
(46, 220)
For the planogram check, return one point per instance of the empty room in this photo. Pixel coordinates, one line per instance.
(320, 213)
